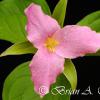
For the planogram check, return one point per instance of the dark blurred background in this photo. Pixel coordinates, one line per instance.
(87, 67)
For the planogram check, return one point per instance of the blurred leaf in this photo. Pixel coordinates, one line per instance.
(96, 25)
(22, 4)
(18, 86)
(94, 54)
(13, 20)
(19, 48)
(60, 11)
(70, 73)
(92, 20)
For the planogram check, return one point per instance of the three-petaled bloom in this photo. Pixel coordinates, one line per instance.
(54, 44)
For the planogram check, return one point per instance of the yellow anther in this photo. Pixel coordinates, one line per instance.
(51, 44)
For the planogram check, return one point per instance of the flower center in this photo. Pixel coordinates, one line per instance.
(51, 43)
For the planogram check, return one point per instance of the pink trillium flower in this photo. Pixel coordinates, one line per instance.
(54, 45)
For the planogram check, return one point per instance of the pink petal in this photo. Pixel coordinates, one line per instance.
(39, 25)
(45, 67)
(76, 41)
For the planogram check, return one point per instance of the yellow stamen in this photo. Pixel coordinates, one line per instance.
(51, 43)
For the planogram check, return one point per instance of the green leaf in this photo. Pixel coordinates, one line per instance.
(96, 25)
(92, 20)
(22, 4)
(18, 86)
(70, 73)
(19, 48)
(94, 54)
(60, 11)
(13, 23)
(13, 19)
